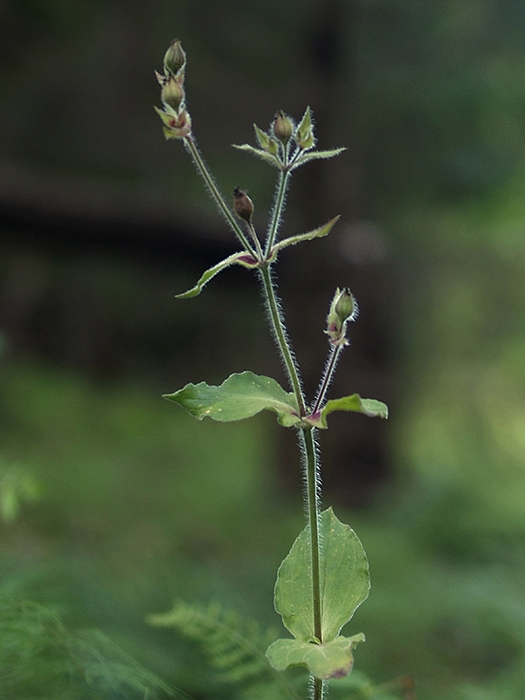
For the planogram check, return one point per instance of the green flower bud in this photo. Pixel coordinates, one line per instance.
(342, 309)
(346, 306)
(242, 205)
(174, 58)
(172, 94)
(283, 127)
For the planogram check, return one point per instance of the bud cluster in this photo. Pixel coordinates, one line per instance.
(284, 135)
(287, 145)
(174, 115)
(342, 310)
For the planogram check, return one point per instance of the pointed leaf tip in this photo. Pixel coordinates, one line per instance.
(243, 259)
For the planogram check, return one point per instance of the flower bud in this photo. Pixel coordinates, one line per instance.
(176, 126)
(174, 58)
(172, 94)
(346, 306)
(342, 309)
(283, 127)
(242, 205)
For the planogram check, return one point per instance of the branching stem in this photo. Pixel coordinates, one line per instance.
(307, 440)
(193, 150)
(310, 461)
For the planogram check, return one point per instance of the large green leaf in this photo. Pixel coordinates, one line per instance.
(243, 259)
(240, 396)
(344, 580)
(332, 660)
(370, 407)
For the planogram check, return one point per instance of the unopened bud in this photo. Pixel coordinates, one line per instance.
(174, 58)
(176, 126)
(242, 205)
(283, 127)
(342, 309)
(345, 306)
(172, 94)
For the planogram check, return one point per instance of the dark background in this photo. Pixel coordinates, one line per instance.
(102, 222)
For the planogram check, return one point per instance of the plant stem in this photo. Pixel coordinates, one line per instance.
(282, 186)
(279, 332)
(191, 145)
(312, 505)
(331, 364)
(318, 687)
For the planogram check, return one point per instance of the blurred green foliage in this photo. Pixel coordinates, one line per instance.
(144, 505)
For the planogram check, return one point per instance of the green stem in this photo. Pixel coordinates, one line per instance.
(255, 237)
(191, 145)
(312, 504)
(331, 364)
(318, 687)
(279, 332)
(282, 186)
(310, 460)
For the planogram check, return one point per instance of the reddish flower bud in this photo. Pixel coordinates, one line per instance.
(242, 205)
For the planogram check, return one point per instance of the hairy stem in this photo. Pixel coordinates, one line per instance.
(279, 332)
(326, 380)
(312, 506)
(191, 145)
(310, 460)
(318, 687)
(282, 186)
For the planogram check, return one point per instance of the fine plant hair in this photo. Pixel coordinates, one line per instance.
(325, 577)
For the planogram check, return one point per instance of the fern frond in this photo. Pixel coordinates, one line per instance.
(40, 657)
(233, 645)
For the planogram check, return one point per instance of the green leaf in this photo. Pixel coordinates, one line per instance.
(370, 407)
(268, 157)
(316, 155)
(344, 580)
(332, 660)
(240, 396)
(304, 134)
(265, 141)
(292, 240)
(243, 259)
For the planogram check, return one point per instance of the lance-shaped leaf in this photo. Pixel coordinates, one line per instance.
(332, 660)
(344, 580)
(370, 407)
(304, 134)
(268, 157)
(265, 141)
(240, 396)
(292, 240)
(316, 155)
(244, 259)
